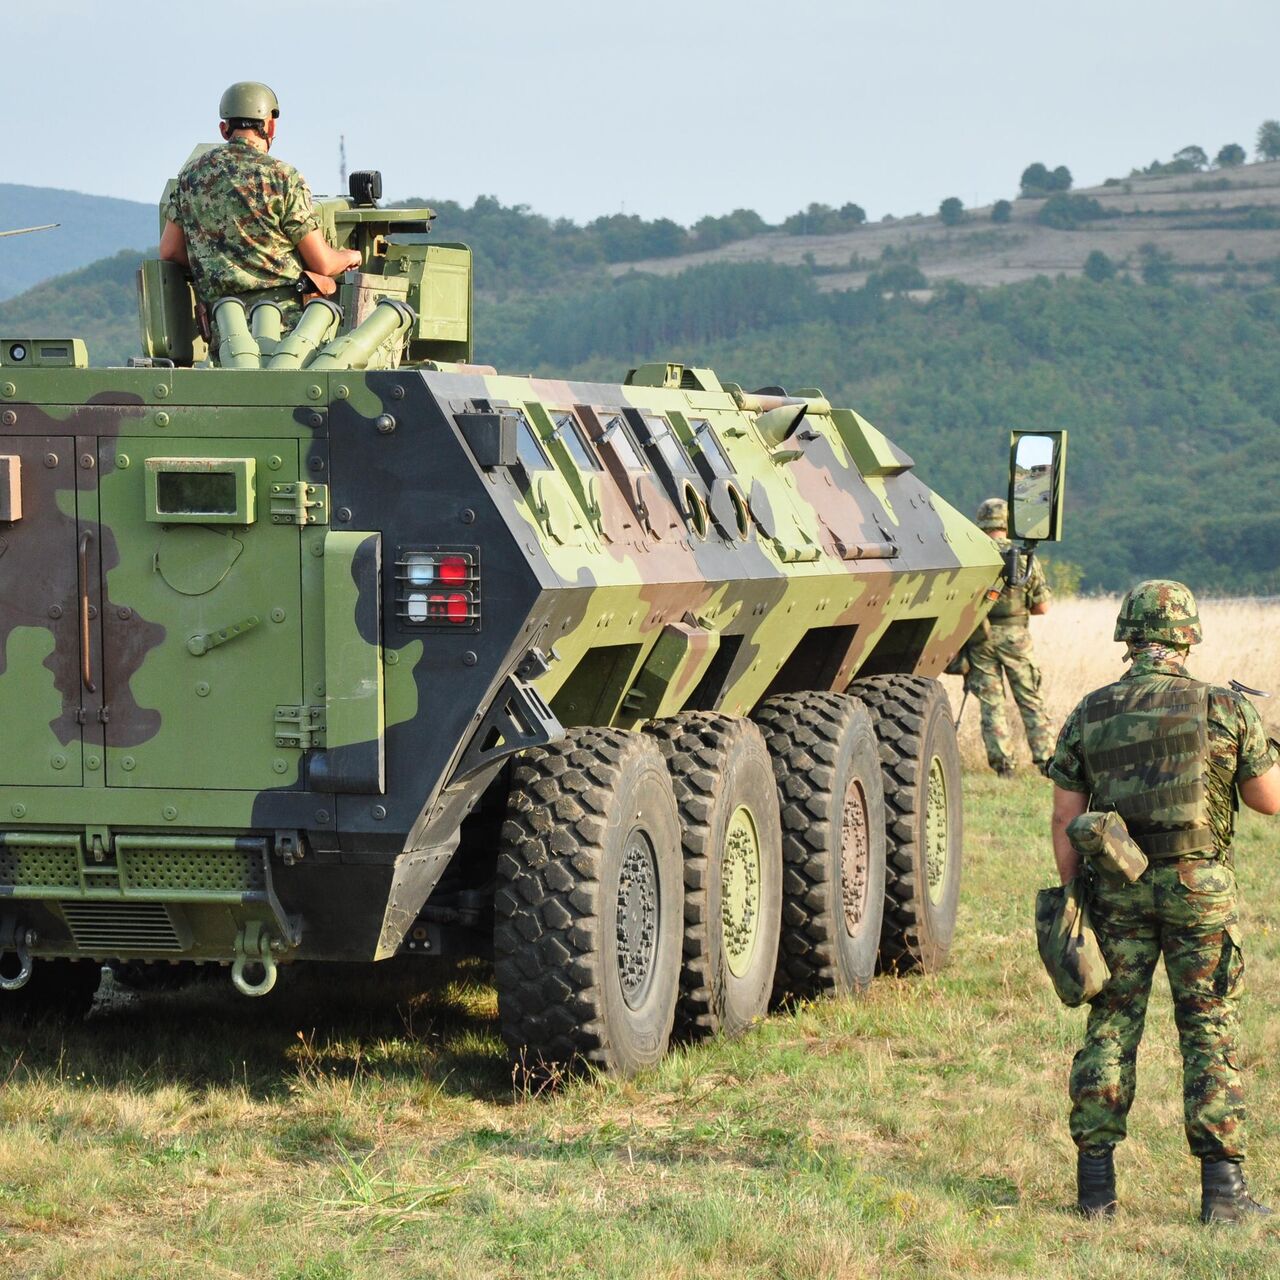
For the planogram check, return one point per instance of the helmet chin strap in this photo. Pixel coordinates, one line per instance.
(1155, 649)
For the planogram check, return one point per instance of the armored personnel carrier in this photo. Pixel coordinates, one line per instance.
(339, 647)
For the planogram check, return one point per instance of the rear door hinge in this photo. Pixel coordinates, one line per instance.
(300, 726)
(300, 503)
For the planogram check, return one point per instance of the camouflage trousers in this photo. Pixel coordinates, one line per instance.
(1186, 911)
(1006, 653)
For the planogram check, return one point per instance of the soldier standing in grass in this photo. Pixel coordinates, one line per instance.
(243, 221)
(1168, 753)
(1002, 648)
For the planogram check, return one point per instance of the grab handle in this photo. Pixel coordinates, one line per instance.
(86, 654)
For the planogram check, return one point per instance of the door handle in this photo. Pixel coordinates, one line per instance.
(86, 654)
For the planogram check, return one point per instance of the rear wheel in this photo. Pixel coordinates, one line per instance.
(588, 904)
(833, 845)
(732, 869)
(921, 764)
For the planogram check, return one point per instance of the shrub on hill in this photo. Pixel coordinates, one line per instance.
(1066, 213)
(1001, 211)
(1231, 155)
(823, 220)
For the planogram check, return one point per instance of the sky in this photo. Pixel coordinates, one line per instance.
(663, 109)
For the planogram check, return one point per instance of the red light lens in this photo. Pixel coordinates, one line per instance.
(458, 607)
(453, 571)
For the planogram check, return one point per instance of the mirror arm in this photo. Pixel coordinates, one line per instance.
(1011, 563)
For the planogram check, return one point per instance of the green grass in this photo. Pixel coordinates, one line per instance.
(348, 1127)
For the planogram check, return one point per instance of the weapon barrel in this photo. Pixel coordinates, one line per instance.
(319, 319)
(266, 324)
(387, 320)
(236, 346)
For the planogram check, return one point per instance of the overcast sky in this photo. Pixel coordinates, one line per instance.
(664, 108)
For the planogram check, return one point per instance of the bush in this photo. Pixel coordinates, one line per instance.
(1065, 213)
(1001, 211)
(823, 220)
(951, 211)
(1231, 155)
(1098, 267)
(1064, 576)
(1157, 265)
(899, 277)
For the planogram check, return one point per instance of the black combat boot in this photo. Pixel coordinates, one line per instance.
(1096, 1182)
(1223, 1194)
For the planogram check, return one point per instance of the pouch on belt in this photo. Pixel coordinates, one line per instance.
(1105, 838)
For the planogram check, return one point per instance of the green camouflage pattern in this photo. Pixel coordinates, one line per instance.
(1161, 610)
(269, 638)
(243, 212)
(1068, 944)
(993, 514)
(1104, 837)
(1185, 911)
(1237, 746)
(1003, 651)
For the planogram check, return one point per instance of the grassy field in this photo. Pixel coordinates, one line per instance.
(347, 1127)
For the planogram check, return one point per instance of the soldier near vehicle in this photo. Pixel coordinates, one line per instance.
(242, 220)
(1167, 753)
(1001, 649)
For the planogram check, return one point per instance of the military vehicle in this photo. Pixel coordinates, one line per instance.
(350, 648)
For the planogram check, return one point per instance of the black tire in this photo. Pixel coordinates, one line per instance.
(588, 905)
(827, 769)
(732, 839)
(921, 762)
(57, 990)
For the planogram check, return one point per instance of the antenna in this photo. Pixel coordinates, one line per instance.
(342, 162)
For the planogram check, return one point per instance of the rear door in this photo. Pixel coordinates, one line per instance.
(202, 619)
(48, 608)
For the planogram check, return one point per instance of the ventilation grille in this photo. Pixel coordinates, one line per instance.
(121, 927)
(40, 866)
(193, 871)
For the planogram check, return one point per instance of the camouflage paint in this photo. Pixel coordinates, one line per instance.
(271, 682)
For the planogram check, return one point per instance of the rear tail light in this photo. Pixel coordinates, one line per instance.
(438, 588)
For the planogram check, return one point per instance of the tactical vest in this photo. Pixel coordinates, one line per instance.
(1146, 754)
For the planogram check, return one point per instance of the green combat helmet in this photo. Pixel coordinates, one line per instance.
(249, 100)
(1161, 610)
(993, 514)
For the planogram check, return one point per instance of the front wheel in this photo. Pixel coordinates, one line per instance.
(589, 904)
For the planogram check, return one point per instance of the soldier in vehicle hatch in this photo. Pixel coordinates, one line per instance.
(243, 221)
(1002, 649)
(1167, 753)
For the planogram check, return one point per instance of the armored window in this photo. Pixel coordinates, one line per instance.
(618, 437)
(200, 490)
(672, 451)
(704, 433)
(528, 448)
(569, 434)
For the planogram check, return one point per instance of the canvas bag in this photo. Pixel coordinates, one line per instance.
(1068, 944)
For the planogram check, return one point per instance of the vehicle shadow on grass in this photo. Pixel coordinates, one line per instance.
(426, 1023)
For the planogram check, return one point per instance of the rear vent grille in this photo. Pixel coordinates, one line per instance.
(122, 927)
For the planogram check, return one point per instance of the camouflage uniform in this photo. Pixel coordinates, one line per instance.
(243, 212)
(1182, 907)
(1003, 650)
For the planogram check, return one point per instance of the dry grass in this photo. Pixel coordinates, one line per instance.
(1076, 654)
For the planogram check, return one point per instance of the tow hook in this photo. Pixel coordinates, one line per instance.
(254, 946)
(20, 944)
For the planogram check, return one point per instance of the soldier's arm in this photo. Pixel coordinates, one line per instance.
(173, 245)
(1039, 593)
(1263, 792)
(1066, 806)
(1257, 772)
(320, 256)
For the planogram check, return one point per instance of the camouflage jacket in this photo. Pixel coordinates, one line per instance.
(1238, 746)
(242, 212)
(1017, 602)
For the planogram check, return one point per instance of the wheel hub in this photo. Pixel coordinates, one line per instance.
(740, 891)
(637, 920)
(936, 831)
(855, 857)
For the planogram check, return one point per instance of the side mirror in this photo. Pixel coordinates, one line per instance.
(1037, 480)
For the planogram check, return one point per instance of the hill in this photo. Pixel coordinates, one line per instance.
(92, 227)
